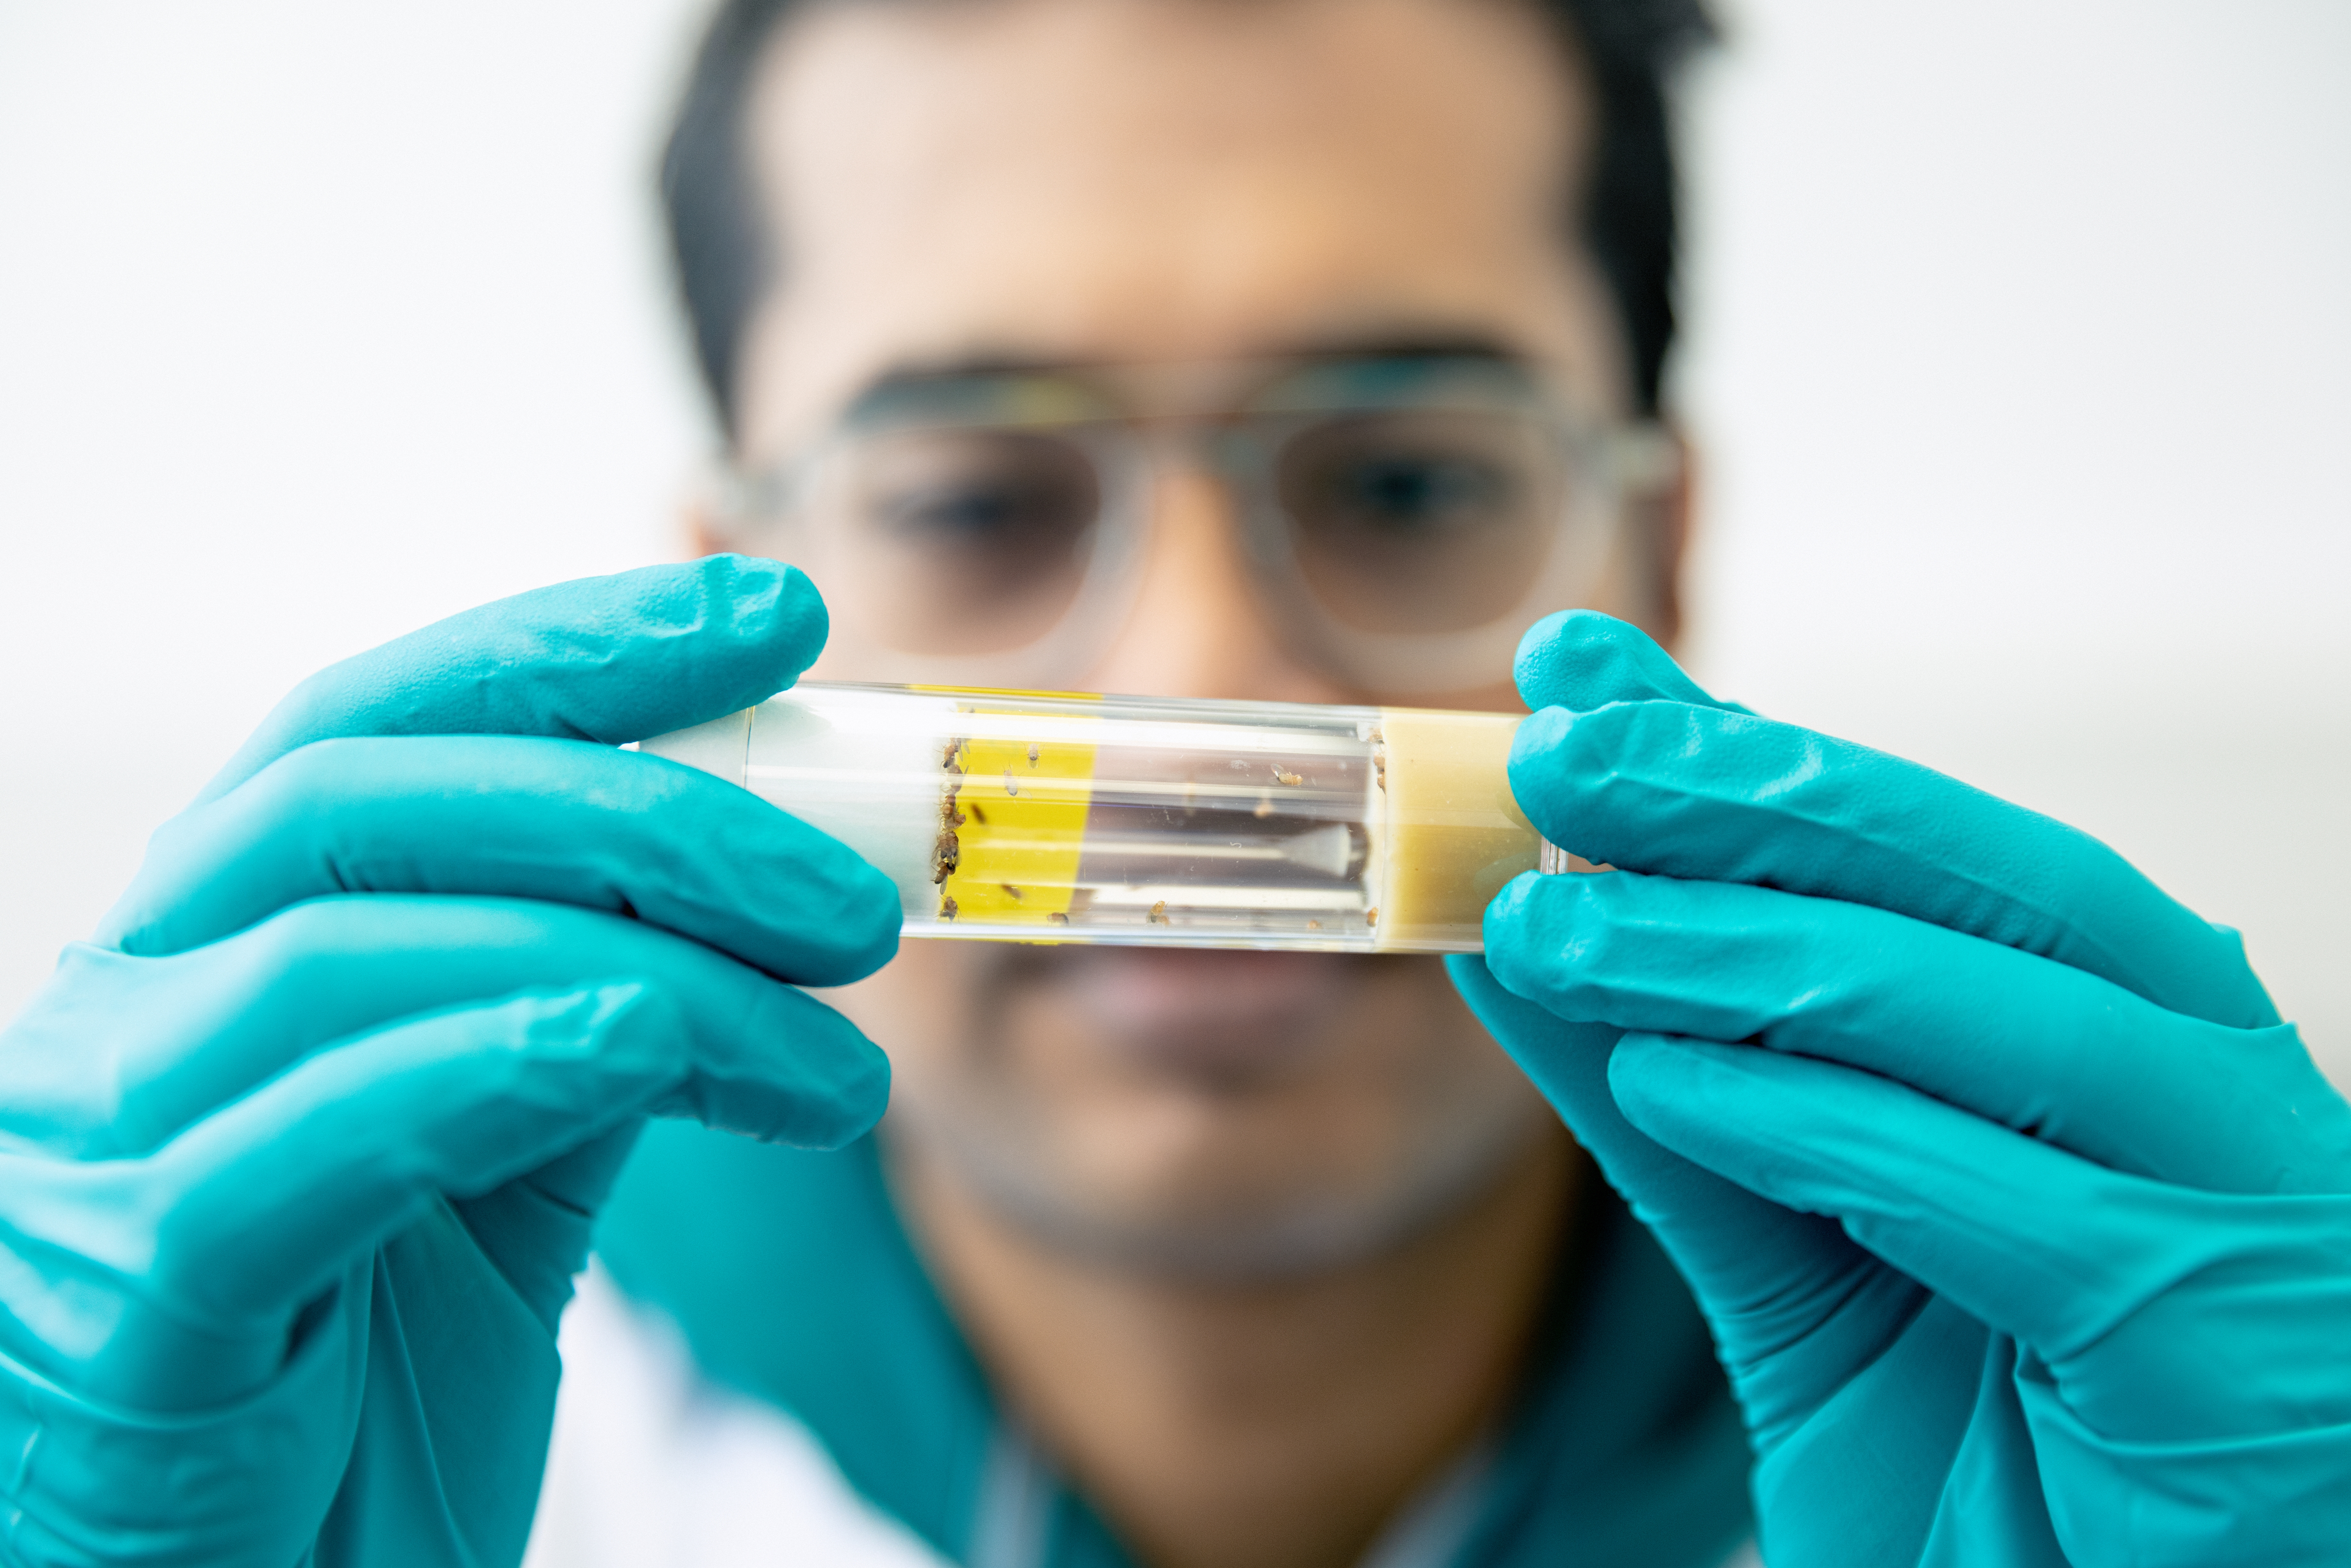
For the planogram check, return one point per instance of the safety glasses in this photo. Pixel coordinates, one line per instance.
(1403, 516)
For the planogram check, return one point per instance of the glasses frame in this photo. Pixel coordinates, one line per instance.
(1238, 442)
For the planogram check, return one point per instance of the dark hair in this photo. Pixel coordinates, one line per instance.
(720, 239)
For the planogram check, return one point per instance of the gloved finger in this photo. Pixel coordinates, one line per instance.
(257, 1211)
(1796, 1308)
(1580, 659)
(607, 658)
(1691, 792)
(118, 1053)
(2035, 1045)
(2035, 1241)
(502, 815)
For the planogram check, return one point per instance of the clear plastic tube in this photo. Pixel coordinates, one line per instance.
(1048, 817)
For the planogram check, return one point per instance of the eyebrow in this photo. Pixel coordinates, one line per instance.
(1440, 343)
(1380, 344)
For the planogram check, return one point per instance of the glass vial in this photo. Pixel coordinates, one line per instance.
(1049, 816)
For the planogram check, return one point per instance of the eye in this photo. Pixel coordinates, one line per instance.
(968, 490)
(1414, 492)
(1422, 476)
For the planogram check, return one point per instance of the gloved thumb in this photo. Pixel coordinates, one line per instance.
(608, 659)
(1581, 660)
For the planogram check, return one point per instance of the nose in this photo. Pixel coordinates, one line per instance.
(1200, 626)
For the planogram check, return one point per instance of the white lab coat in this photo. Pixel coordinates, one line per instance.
(653, 1465)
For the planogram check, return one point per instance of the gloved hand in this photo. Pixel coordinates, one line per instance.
(298, 1158)
(2022, 1225)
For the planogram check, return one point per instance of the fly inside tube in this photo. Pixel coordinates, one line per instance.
(1058, 818)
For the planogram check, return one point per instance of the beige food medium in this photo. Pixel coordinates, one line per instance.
(1454, 833)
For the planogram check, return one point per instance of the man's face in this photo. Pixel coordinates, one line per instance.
(1145, 181)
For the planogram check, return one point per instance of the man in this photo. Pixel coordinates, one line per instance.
(1262, 1245)
(1212, 349)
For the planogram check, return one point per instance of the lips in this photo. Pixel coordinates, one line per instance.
(1197, 1012)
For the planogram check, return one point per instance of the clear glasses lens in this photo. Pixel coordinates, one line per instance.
(961, 541)
(1422, 521)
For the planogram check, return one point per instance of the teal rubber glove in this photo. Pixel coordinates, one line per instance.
(2022, 1225)
(297, 1159)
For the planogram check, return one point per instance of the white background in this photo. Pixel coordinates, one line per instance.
(2021, 349)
